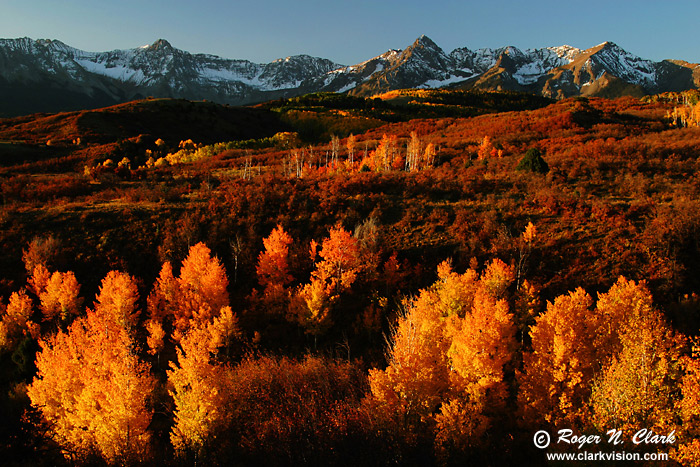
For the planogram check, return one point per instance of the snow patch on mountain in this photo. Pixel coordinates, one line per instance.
(118, 72)
(435, 83)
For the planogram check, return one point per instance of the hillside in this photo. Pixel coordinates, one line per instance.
(276, 247)
(582, 140)
(164, 118)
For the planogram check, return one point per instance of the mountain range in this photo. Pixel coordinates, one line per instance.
(50, 76)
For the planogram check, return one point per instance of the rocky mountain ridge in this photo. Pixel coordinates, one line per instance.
(48, 75)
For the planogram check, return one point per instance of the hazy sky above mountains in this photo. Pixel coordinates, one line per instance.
(350, 32)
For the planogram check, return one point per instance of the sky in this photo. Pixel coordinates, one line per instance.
(351, 32)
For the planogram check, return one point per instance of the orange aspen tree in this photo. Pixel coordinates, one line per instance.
(161, 304)
(688, 452)
(15, 321)
(341, 260)
(273, 270)
(59, 296)
(164, 295)
(195, 297)
(557, 375)
(156, 337)
(273, 265)
(117, 300)
(340, 264)
(200, 387)
(39, 279)
(635, 389)
(94, 391)
(40, 251)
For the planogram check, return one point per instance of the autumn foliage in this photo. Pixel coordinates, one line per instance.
(448, 358)
(289, 300)
(93, 390)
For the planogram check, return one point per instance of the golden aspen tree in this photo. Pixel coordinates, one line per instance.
(39, 279)
(223, 330)
(460, 426)
(525, 308)
(623, 306)
(635, 389)
(273, 270)
(117, 300)
(341, 263)
(202, 287)
(496, 279)
(413, 155)
(482, 344)
(379, 156)
(525, 243)
(452, 343)
(59, 296)
(688, 407)
(201, 393)
(557, 375)
(417, 379)
(314, 312)
(94, 392)
(455, 292)
(486, 149)
(350, 144)
(15, 321)
(429, 155)
(194, 298)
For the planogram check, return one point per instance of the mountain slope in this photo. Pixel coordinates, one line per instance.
(50, 76)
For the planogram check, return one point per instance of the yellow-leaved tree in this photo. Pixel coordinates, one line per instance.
(634, 389)
(448, 357)
(555, 383)
(15, 321)
(688, 407)
(200, 386)
(193, 299)
(58, 296)
(92, 388)
(341, 263)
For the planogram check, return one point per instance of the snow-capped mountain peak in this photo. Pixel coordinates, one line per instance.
(159, 69)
